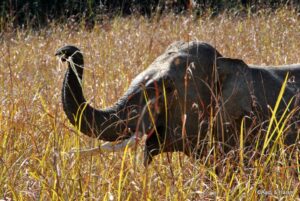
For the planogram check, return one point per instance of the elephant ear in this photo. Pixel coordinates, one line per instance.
(234, 78)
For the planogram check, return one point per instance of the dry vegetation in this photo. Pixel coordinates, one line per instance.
(35, 134)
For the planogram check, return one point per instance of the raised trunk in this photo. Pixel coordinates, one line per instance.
(102, 124)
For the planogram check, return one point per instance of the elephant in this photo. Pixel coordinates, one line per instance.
(187, 96)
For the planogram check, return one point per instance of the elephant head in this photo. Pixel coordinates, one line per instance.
(169, 101)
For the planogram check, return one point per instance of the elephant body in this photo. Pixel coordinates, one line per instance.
(182, 100)
(267, 82)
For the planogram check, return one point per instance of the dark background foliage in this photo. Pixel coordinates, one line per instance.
(39, 12)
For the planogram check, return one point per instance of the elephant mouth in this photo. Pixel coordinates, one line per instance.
(134, 132)
(134, 136)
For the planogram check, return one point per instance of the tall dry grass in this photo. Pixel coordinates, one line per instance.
(35, 134)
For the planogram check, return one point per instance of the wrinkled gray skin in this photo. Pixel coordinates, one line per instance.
(170, 101)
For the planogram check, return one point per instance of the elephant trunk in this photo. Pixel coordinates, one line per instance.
(105, 124)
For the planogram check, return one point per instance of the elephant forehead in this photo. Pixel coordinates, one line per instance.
(187, 64)
(169, 61)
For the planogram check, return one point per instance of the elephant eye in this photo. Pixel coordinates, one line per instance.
(169, 86)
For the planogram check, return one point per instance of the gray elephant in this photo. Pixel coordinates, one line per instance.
(186, 96)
